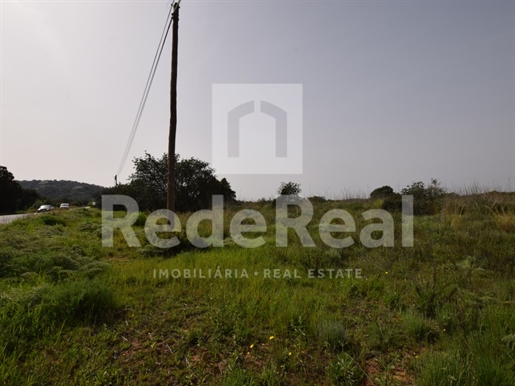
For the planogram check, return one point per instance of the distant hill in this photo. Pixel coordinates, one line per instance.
(64, 191)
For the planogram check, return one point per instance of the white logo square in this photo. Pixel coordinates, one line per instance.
(257, 128)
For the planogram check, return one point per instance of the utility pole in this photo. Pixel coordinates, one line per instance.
(170, 199)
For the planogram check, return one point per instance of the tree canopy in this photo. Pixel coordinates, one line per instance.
(195, 184)
(12, 196)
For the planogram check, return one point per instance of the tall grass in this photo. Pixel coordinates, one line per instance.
(441, 312)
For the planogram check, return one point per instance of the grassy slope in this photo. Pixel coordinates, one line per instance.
(441, 312)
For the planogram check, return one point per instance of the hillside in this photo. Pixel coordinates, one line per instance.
(63, 191)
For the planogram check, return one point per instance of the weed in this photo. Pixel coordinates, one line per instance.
(344, 370)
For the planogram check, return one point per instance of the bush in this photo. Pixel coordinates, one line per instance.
(393, 203)
(382, 193)
(317, 199)
(427, 200)
(289, 189)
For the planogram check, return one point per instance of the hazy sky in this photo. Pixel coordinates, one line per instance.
(393, 91)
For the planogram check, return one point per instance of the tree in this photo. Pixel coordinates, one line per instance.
(195, 184)
(148, 184)
(10, 192)
(289, 189)
(12, 196)
(227, 192)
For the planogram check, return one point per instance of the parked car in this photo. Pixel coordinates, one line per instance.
(45, 208)
(65, 205)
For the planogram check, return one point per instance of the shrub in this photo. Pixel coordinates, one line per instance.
(426, 200)
(289, 189)
(393, 203)
(382, 192)
(317, 199)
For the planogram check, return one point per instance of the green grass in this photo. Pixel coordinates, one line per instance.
(440, 313)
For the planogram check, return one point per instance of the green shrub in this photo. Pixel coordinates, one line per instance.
(392, 203)
(427, 200)
(382, 193)
(317, 199)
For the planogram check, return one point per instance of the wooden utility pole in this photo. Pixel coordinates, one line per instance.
(170, 199)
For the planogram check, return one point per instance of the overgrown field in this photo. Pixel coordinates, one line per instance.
(439, 313)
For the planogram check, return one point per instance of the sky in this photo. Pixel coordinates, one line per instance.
(392, 92)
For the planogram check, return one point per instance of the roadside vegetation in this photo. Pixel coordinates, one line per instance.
(439, 313)
(13, 197)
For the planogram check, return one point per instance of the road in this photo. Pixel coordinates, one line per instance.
(11, 217)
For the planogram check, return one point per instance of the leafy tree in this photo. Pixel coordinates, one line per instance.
(195, 184)
(227, 192)
(12, 196)
(289, 189)
(151, 172)
(10, 191)
(148, 183)
(28, 199)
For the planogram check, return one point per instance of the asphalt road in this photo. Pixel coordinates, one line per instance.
(11, 217)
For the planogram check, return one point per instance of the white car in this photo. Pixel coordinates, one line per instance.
(45, 208)
(65, 205)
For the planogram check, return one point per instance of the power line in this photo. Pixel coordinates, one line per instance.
(146, 91)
